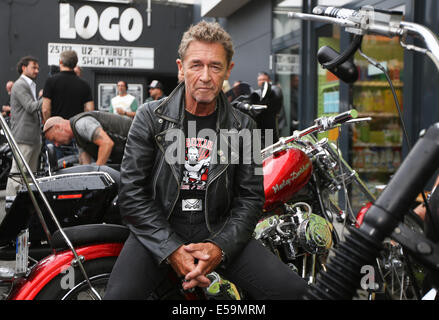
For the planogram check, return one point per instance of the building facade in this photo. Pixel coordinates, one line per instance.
(135, 41)
(266, 39)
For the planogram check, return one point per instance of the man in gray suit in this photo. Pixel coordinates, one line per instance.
(25, 118)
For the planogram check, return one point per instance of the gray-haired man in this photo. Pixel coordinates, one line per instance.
(185, 216)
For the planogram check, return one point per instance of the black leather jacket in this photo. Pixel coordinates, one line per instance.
(150, 186)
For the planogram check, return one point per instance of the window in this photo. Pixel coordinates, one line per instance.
(282, 25)
(286, 62)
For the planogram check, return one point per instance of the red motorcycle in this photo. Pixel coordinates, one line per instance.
(302, 176)
(301, 179)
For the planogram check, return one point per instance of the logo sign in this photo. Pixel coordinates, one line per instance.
(104, 56)
(112, 24)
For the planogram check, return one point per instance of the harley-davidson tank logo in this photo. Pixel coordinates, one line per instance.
(293, 176)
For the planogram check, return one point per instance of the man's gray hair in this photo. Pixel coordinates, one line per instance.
(210, 32)
(69, 58)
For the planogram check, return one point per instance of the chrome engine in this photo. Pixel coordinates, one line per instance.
(295, 235)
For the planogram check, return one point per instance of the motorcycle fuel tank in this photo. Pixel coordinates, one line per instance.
(285, 173)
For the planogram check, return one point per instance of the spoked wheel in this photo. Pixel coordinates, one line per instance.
(402, 276)
(83, 292)
(71, 285)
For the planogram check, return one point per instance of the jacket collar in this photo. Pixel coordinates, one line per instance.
(172, 109)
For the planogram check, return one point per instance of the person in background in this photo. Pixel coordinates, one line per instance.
(6, 108)
(269, 118)
(155, 91)
(25, 120)
(294, 102)
(53, 69)
(123, 104)
(65, 94)
(100, 136)
(236, 83)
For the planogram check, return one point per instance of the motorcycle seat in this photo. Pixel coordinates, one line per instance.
(90, 234)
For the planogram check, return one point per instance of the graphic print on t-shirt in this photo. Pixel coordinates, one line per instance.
(197, 161)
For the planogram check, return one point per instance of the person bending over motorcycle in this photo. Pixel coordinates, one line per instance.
(194, 221)
(100, 136)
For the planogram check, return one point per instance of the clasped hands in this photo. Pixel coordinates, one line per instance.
(194, 261)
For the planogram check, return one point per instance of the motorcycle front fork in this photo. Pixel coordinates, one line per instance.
(311, 265)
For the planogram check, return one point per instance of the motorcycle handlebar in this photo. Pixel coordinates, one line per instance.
(321, 124)
(317, 18)
(343, 117)
(340, 13)
(369, 20)
(248, 107)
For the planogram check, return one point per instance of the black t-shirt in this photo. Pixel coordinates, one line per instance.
(68, 94)
(198, 152)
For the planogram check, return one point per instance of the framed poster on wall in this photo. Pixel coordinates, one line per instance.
(106, 91)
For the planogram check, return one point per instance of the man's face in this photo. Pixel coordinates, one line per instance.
(155, 93)
(121, 88)
(31, 70)
(58, 136)
(204, 68)
(261, 79)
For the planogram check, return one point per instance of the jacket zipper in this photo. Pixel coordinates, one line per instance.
(157, 176)
(178, 193)
(205, 196)
(174, 174)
